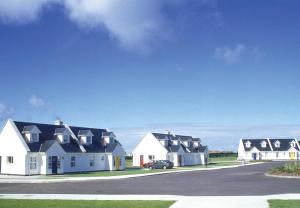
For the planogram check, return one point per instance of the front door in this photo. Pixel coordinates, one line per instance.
(292, 155)
(179, 160)
(0, 163)
(254, 155)
(141, 160)
(54, 165)
(117, 162)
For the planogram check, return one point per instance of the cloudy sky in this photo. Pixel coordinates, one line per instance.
(219, 70)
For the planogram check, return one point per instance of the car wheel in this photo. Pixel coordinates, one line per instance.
(164, 167)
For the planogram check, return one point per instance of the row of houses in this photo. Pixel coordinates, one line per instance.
(269, 149)
(34, 148)
(180, 149)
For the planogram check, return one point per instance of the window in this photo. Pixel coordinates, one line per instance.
(277, 154)
(32, 163)
(293, 144)
(34, 137)
(65, 138)
(263, 144)
(10, 159)
(248, 144)
(88, 140)
(277, 144)
(73, 161)
(58, 163)
(92, 162)
(50, 162)
(151, 157)
(102, 158)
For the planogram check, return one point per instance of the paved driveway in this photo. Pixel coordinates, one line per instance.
(241, 181)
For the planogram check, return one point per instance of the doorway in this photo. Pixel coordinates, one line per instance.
(254, 156)
(179, 160)
(54, 165)
(141, 160)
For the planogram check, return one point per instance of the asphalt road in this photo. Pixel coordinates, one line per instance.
(241, 181)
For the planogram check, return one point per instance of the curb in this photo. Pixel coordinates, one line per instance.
(281, 176)
(79, 179)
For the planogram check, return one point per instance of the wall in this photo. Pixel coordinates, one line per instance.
(12, 144)
(149, 145)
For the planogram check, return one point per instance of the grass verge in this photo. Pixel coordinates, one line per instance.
(28, 203)
(284, 203)
(289, 169)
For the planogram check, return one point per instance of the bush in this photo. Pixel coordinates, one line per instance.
(287, 169)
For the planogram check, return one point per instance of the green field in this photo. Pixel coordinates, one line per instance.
(284, 203)
(16, 203)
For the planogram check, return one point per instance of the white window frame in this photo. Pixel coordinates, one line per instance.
(151, 157)
(263, 144)
(92, 162)
(66, 138)
(88, 139)
(248, 144)
(32, 163)
(10, 160)
(34, 137)
(277, 144)
(72, 161)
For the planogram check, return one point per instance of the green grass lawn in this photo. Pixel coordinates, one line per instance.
(284, 203)
(289, 169)
(130, 170)
(17, 203)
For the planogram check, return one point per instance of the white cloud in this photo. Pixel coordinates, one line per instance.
(5, 111)
(37, 102)
(135, 24)
(21, 11)
(230, 55)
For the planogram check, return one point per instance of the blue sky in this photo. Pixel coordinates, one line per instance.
(220, 70)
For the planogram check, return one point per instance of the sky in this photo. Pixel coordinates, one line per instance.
(216, 69)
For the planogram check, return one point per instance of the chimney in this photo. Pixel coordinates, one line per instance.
(58, 122)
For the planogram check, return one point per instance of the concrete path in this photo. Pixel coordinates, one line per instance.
(62, 178)
(181, 201)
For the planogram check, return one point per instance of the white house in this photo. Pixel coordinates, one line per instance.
(35, 148)
(181, 150)
(268, 149)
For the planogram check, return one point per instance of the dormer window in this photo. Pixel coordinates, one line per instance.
(277, 144)
(175, 142)
(293, 144)
(31, 133)
(107, 137)
(86, 137)
(248, 144)
(63, 135)
(264, 144)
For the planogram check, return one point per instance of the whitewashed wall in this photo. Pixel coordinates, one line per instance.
(12, 144)
(149, 145)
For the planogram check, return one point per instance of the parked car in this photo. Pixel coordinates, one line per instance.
(161, 164)
(147, 165)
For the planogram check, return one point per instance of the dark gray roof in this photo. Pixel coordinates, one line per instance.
(97, 145)
(285, 144)
(197, 149)
(256, 143)
(160, 136)
(174, 148)
(184, 138)
(47, 133)
(83, 132)
(60, 130)
(28, 128)
(46, 145)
